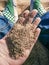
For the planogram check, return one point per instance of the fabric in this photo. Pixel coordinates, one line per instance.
(38, 56)
(5, 26)
(36, 4)
(44, 24)
(7, 13)
(10, 6)
(8, 18)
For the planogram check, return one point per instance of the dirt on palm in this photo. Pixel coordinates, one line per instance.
(21, 37)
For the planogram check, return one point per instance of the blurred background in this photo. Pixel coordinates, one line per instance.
(22, 5)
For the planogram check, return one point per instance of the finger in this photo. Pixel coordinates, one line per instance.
(25, 14)
(36, 35)
(32, 14)
(36, 23)
(21, 20)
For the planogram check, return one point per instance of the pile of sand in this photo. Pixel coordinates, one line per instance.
(21, 38)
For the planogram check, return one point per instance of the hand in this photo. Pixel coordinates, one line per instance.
(5, 59)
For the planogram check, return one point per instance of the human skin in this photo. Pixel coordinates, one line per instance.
(2, 4)
(5, 59)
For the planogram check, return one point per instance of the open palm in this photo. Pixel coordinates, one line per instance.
(5, 59)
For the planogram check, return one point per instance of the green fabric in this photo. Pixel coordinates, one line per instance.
(38, 56)
(37, 5)
(8, 15)
(10, 6)
(9, 11)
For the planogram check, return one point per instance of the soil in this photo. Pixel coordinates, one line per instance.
(45, 3)
(21, 38)
(22, 5)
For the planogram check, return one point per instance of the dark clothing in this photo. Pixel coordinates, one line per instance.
(44, 24)
(38, 56)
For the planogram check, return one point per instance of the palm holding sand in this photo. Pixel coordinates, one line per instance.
(4, 53)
